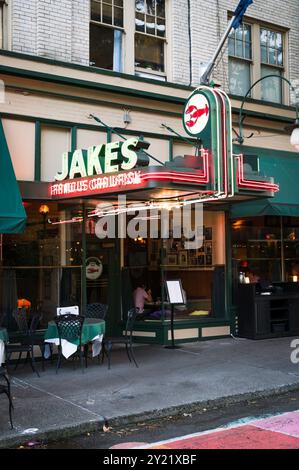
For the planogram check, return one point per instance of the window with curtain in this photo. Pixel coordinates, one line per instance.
(271, 44)
(106, 34)
(240, 55)
(150, 34)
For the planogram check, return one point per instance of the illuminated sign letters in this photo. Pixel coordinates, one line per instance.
(103, 158)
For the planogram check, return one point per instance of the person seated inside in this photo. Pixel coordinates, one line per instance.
(253, 278)
(140, 295)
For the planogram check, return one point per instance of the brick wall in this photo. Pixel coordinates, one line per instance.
(208, 22)
(59, 29)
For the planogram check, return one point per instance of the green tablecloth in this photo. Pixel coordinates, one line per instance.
(92, 327)
(3, 335)
(92, 331)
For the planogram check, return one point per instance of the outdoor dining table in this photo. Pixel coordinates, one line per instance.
(93, 330)
(3, 340)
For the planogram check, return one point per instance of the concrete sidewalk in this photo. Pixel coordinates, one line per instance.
(167, 381)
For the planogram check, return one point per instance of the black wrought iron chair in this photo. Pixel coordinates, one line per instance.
(70, 328)
(127, 339)
(23, 342)
(5, 389)
(96, 310)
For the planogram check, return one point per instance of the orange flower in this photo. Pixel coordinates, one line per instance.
(24, 303)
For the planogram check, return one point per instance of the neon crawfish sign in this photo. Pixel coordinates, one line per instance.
(208, 116)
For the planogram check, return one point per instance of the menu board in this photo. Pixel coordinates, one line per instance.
(175, 291)
(73, 310)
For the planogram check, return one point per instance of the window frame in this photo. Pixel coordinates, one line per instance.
(112, 25)
(128, 43)
(242, 59)
(109, 26)
(143, 71)
(256, 62)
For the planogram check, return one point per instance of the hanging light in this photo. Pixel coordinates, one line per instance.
(44, 209)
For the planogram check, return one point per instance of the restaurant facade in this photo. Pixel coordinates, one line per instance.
(79, 139)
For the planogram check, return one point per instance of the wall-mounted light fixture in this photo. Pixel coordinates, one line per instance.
(44, 211)
(294, 140)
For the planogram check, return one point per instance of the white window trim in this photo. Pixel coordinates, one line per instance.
(140, 71)
(129, 44)
(255, 68)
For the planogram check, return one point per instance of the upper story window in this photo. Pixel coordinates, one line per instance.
(106, 34)
(240, 55)
(255, 52)
(271, 43)
(150, 33)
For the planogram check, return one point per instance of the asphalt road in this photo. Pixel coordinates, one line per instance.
(173, 426)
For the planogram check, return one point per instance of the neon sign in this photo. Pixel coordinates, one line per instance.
(208, 116)
(103, 158)
(131, 180)
(118, 166)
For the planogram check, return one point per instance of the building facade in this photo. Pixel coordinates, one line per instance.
(132, 65)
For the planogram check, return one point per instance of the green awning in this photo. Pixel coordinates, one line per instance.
(284, 167)
(12, 212)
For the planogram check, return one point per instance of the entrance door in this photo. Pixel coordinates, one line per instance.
(103, 278)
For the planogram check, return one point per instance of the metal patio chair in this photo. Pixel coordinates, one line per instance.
(127, 339)
(70, 329)
(96, 310)
(23, 341)
(5, 389)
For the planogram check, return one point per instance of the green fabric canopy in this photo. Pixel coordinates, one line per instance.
(12, 212)
(284, 167)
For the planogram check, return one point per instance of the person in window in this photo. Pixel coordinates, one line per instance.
(253, 278)
(140, 295)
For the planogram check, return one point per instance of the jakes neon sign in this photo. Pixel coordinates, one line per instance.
(208, 116)
(103, 158)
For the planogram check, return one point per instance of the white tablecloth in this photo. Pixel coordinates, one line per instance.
(69, 348)
(2, 352)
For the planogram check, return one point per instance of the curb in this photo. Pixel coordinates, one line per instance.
(147, 416)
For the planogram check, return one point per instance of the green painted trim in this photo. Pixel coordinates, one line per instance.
(161, 329)
(268, 117)
(73, 138)
(263, 103)
(97, 70)
(170, 154)
(83, 271)
(46, 77)
(37, 156)
(109, 136)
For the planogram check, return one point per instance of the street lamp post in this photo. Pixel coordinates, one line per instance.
(294, 127)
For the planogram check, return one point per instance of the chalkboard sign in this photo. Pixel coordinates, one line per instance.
(175, 292)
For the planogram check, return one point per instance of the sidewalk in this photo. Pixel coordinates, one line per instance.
(166, 382)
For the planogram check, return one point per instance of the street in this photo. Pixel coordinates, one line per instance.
(248, 425)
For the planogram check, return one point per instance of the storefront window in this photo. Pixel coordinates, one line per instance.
(150, 261)
(43, 265)
(266, 246)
